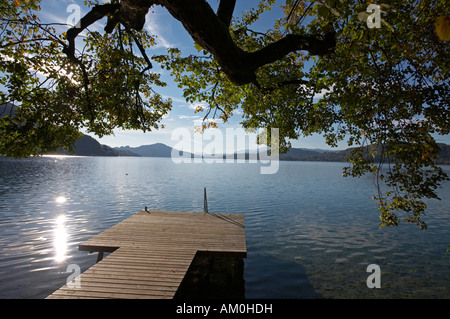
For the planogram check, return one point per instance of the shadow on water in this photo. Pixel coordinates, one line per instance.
(213, 277)
(262, 277)
(276, 279)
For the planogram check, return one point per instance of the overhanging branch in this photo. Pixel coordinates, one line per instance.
(97, 13)
(280, 84)
(225, 11)
(291, 43)
(208, 29)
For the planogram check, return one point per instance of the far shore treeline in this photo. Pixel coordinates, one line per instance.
(88, 146)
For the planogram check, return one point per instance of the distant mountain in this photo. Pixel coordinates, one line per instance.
(298, 154)
(443, 157)
(154, 150)
(294, 154)
(88, 146)
(7, 109)
(301, 154)
(125, 152)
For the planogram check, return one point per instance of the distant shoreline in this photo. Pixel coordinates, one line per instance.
(88, 146)
(245, 161)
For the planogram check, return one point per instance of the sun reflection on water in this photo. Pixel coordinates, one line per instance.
(60, 239)
(60, 199)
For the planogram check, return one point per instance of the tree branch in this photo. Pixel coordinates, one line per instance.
(97, 13)
(291, 43)
(279, 85)
(240, 66)
(144, 55)
(225, 11)
(209, 30)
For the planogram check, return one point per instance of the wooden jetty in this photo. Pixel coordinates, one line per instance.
(151, 252)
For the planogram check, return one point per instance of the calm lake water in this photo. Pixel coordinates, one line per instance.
(310, 232)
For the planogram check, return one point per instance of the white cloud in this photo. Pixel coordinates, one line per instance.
(52, 18)
(318, 95)
(201, 120)
(174, 99)
(186, 117)
(156, 28)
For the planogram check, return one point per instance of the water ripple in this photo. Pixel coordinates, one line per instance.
(310, 233)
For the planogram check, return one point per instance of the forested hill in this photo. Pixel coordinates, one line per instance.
(88, 146)
(300, 154)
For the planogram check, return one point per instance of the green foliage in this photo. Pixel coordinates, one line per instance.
(107, 85)
(390, 89)
(384, 90)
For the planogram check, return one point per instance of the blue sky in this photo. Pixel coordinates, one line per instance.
(170, 33)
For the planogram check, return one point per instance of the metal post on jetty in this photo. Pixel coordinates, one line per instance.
(205, 201)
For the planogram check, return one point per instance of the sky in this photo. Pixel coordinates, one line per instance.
(181, 119)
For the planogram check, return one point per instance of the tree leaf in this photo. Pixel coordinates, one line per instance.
(442, 27)
(362, 16)
(323, 12)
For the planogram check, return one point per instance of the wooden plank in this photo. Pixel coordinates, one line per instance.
(130, 278)
(114, 277)
(174, 246)
(172, 274)
(107, 294)
(114, 286)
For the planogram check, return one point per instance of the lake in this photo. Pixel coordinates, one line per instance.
(311, 233)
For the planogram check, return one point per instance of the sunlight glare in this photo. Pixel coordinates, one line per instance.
(61, 199)
(60, 240)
